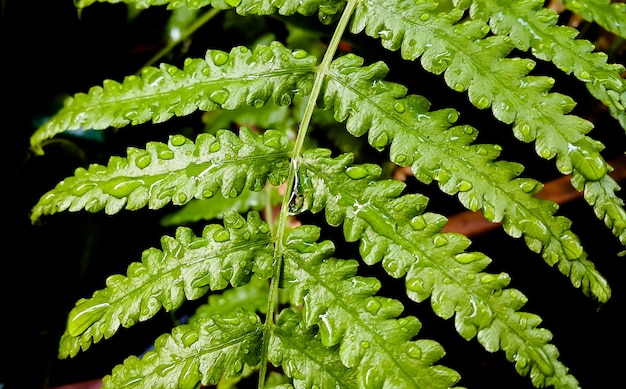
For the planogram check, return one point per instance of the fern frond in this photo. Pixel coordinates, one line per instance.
(610, 15)
(369, 336)
(227, 80)
(530, 25)
(213, 346)
(325, 8)
(176, 172)
(395, 230)
(186, 268)
(436, 150)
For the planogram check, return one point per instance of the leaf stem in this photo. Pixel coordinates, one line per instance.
(321, 73)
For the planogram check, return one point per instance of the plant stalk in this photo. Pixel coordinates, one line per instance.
(321, 73)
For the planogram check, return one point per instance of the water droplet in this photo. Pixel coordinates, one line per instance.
(589, 163)
(177, 140)
(443, 175)
(415, 352)
(416, 285)
(83, 188)
(143, 160)
(424, 17)
(440, 240)
(380, 141)
(84, 315)
(215, 147)
(452, 117)
(264, 229)
(464, 186)
(189, 338)
(299, 54)
(458, 87)
(487, 278)
(219, 57)
(365, 344)
(465, 258)
(418, 223)
(356, 172)
(485, 29)
(482, 103)
(221, 236)
(257, 103)
(234, 220)
(182, 198)
(164, 152)
(528, 186)
(219, 96)
(207, 193)
(373, 306)
(400, 159)
(121, 187)
(399, 106)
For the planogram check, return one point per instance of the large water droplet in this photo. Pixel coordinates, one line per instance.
(465, 258)
(356, 172)
(221, 236)
(219, 96)
(219, 57)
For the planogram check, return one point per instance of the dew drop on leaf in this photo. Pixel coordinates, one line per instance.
(415, 352)
(440, 240)
(215, 147)
(219, 96)
(299, 54)
(84, 315)
(356, 172)
(177, 140)
(464, 186)
(142, 161)
(121, 187)
(465, 258)
(219, 57)
(373, 306)
(399, 106)
(418, 223)
(189, 338)
(221, 236)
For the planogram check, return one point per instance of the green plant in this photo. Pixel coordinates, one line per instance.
(283, 299)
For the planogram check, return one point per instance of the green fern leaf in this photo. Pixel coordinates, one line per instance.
(200, 353)
(610, 15)
(186, 268)
(365, 328)
(176, 172)
(530, 25)
(394, 230)
(442, 152)
(301, 354)
(227, 80)
(326, 9)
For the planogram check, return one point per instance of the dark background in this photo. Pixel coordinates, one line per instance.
(48, 52)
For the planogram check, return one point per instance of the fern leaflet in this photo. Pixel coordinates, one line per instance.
(228, 80)
(186, 268)
(213, 346)
(176, 172)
